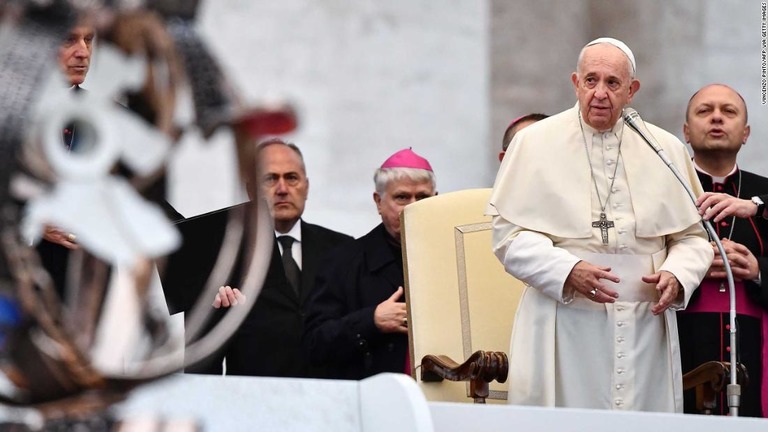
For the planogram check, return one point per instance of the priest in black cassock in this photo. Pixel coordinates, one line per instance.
(356, 318)
(716, 128)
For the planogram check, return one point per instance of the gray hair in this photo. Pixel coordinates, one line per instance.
(384, 176)
(277, 141)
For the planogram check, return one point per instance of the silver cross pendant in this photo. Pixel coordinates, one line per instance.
(603, 224)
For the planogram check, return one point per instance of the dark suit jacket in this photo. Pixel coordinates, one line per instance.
(340, 331)
(268, 343)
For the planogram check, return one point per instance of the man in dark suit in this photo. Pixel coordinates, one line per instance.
(74, 59)
(268, 343)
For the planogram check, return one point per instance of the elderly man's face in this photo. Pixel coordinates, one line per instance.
(603, 85)
(716, 121)
(75, 53)
(284, 183)
(398, 194)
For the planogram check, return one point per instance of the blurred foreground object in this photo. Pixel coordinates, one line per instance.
(70, 356)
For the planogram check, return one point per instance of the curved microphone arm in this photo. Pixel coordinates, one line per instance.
(633, 120)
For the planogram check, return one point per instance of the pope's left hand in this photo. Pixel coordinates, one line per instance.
(667, 285)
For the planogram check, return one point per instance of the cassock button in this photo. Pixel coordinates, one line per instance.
(620, 355)
(620, 323)
(719, 187)
(620, 339)
(609, 147)
(724, 223)
(727, 326)
(619, 386)
(728, 349)
(609, 162)
(619, 402)
(620, 371)
(362, 344)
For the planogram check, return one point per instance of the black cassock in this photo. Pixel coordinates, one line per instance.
(341, 334)
(705, 336)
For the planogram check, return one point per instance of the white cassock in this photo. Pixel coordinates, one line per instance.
(567, 350)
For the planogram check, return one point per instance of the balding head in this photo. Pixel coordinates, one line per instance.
(726, 88)
(716, 125)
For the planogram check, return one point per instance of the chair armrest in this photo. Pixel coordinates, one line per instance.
(709, 380)
(479, 369)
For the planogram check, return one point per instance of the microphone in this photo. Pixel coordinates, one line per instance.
(633, 120)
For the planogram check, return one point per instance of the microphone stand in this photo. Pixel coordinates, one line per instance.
(734, 388)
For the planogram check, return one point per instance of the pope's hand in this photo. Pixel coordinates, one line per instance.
(668, 287)
(585, 278)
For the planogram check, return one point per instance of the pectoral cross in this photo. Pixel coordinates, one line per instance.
(603, 224)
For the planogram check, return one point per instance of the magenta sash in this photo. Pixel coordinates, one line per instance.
(713, 301)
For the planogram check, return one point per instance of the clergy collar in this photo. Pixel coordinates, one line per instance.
(379, 250)
(716, 179)
(294, 232)
(616, 130)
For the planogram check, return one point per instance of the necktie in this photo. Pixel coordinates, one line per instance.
(292, 271)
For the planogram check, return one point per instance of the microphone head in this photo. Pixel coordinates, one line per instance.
(630, 115)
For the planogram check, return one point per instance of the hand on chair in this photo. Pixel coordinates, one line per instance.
(228, 296)
(390, 315)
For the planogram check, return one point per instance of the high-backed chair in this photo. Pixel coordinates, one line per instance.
(460, 300)
(462, 303)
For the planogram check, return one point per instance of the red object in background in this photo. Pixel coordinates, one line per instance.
(267, 121)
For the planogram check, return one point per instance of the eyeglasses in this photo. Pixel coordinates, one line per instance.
(290, 179)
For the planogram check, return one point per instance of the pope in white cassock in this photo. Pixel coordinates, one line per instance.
(608, 243)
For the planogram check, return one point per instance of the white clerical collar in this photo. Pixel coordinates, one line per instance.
(616, 130)
(715, 179)
(294, 232)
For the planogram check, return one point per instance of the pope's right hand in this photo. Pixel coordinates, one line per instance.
(228, 296)
(585, 278)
